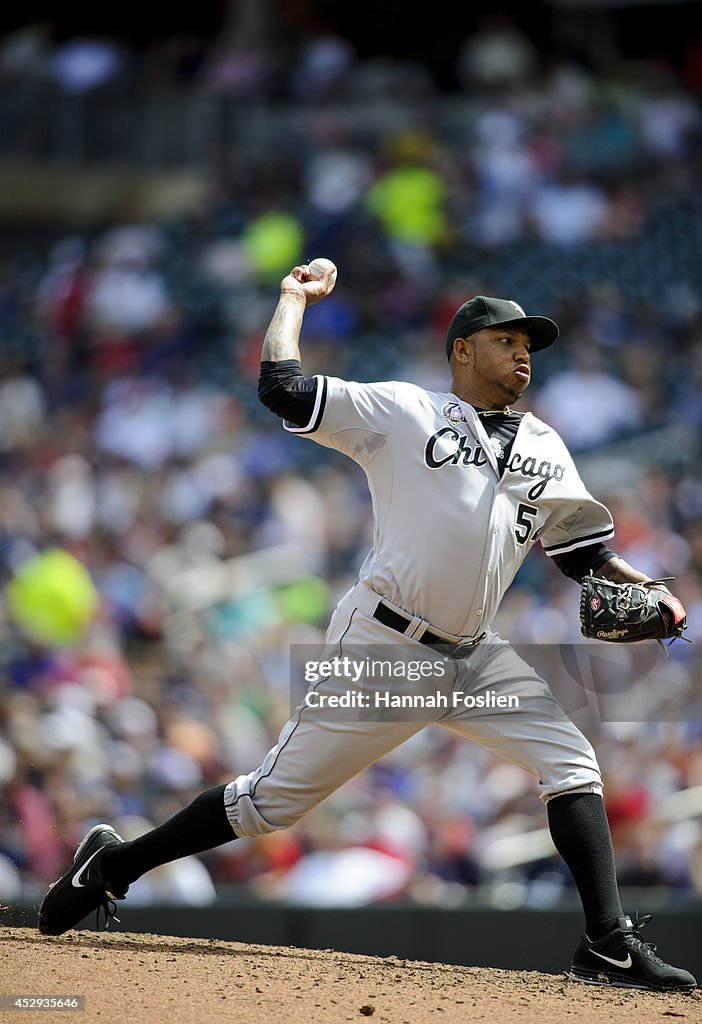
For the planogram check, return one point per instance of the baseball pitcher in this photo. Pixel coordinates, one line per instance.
(462, 487)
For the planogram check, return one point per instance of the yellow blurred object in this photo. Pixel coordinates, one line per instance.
(304, 601)
(410, 204)
(409, 147)
(273, 243)
(52, 598)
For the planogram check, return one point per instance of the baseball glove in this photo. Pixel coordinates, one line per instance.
(628, 612)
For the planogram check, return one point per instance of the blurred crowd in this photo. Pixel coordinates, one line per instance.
(132, 440)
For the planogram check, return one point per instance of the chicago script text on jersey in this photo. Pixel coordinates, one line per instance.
(465, 454)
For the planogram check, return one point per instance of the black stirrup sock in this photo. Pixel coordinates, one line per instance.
(580, 832)
(200, 826)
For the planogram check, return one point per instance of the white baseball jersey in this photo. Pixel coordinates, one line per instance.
(451, 528)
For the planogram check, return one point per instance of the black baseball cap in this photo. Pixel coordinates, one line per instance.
(483, 311)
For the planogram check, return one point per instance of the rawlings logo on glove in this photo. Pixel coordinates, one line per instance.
(628, 612)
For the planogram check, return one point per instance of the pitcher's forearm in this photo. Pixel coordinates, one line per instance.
(618, 571)
(282, 340)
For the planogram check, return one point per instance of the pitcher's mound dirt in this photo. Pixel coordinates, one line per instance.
(134, 979)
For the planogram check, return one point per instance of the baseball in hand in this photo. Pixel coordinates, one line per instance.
(320, 266)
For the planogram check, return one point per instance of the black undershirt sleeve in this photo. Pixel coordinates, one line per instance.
(577, 564)
(284, 390)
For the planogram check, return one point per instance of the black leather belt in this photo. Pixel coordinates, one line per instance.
(397, 621)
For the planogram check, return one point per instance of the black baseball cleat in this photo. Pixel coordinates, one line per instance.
(623, 959)
(83, 888)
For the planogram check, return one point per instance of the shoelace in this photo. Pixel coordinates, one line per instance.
(109, 910)
(647, 948)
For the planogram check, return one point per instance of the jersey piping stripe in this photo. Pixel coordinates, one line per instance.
(572, 545)
(317, 412)
(299, 716)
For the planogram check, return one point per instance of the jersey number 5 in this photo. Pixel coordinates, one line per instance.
(524, 524)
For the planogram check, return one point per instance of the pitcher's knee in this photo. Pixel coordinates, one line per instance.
(592, 787)
(579, 780)
(244, 816)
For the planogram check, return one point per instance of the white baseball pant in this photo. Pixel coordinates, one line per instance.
(316, 753)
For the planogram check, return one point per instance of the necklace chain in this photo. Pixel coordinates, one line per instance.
(489, 412)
